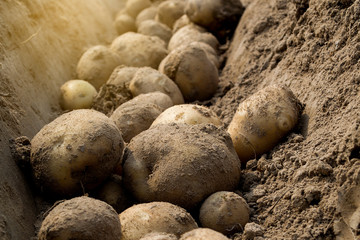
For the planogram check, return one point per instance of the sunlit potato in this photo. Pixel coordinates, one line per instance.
(155, 28)
(169, 11)
(134, 7)
(146, 14)
(77, 94)
(124, 23)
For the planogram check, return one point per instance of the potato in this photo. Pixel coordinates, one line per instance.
(155, 28)
(159, 236)
(148, 80)
(192, 33)
(134, 7)
(81, 218)
(141, 219)
(218, 16)
(203, 234)
(77, 94)
(158, 98)
(124, 23)
(211, 53)
(181, 164)
(75, 152)
(133, 117)
(192, 70)
(96, 65)
(262, 120)
(181, 22)
(138, 50)
(225, 212)
(122, 75)
(169, 11)
(189, 114)
(146, 14)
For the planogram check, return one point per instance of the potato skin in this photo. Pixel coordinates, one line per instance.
(203, 234)
(225, 212)
(78, 149)
(169, 11)
(262, 120)
(159, 236)
(180, 163)
(158, 98)
(81, 218)
(77, 94)
(145, 218)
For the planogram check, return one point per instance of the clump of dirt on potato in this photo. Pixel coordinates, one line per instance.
(180, 163)
(81, 218)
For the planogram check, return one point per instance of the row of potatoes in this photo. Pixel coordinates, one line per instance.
(166, 157)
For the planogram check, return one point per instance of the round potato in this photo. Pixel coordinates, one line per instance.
(124, 23)
(262, 120)
(159, 236)
(145, 218)
(75, 152)
(148, 80)
(192, 70)
(211, 53)
(146, 14)
(134, 7)
(181, 164)
(225, 212)
(138, 50)
(96, 65)
(169, 11)
(158, 98)
(122, 75)
(189, 114)
(81, 218)
(77, 94)
(181, 22)
(192, 33)
(155, 28)
(203, 234)
(133, 117)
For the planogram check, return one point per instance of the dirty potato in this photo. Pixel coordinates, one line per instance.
(155, 28)
(161, 99)
(169, 11)
(203, 234)
(124, 23)
(159, 236)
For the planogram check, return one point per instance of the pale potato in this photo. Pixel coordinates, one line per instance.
(169, 11)
(262, 120)
(96, 65)
(146, 14)
(181, 22)
(145, 218)
(158, 98)
(81, 218)
(77, 94)
(76, 152)
(134, 7)
(159, 236)
(122, 75)
(203, 234)
(139, 50)
(148, 80)
(189, 114)
(124, 23)
(225, 212)
(155, 28)
(192, 71)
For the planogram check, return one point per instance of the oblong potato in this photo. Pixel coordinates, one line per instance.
(81, 218)
(141, 219)
(148, 80)
(77, 94)
(155, 28)
(180, 163)
(262, 120)
(189, 114)
(75, 152)
(158, 98)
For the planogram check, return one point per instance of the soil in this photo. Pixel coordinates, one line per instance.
(307, 187)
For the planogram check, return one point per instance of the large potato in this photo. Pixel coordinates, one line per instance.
(147, 80)
(191, 69)
(180, 163)
(77, 94)
(138, 50)
(189, 114)
(145, 218)
(96, 65)
(203, 234)
(75, 152)
(81, 218)
(225, 212)
(262, 120)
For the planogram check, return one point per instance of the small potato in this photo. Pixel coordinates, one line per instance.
(225, 212)
(134, 7)
(124, 23)
(181, 164)
(262, 120)
(148, 80)
(181, 22)
(139, 50)
(203, 234)
(189, 114)
(96, 65)
(146, 14)
(133, 117)
(192, 33)
(81, 218)
(218, 16)
(169, 11)
(155, 28)
(122, 75)
(158, 98)
(75, 152)
(145, 218)
(77, 94)
(159, 236)
(192, 71)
